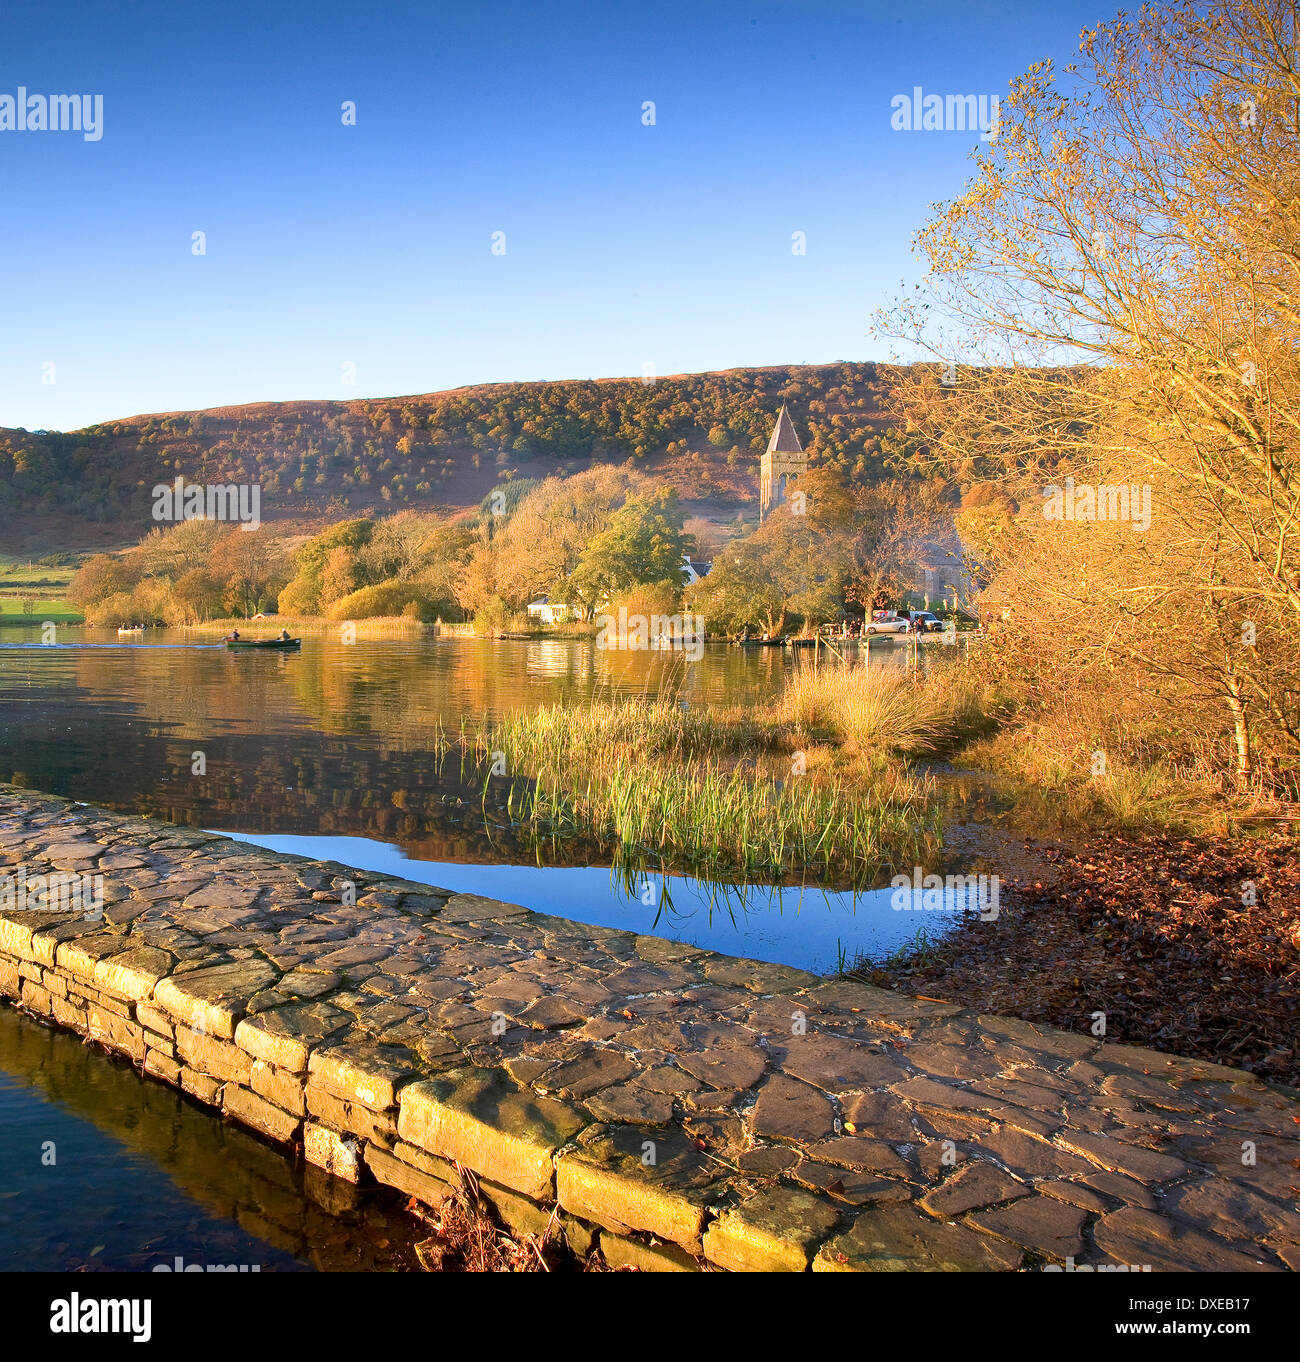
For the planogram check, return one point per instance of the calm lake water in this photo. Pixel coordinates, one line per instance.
(109, 1171)
(332, 752)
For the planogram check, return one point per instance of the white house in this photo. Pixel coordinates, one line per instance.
(693, 569)
(549, 612)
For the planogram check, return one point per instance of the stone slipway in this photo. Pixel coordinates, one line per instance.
(664, 1106)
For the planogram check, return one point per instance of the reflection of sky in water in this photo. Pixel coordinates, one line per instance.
(803, 927)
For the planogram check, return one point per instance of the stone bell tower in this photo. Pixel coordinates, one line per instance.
(783, 461)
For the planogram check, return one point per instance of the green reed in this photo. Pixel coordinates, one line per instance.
(683, 788)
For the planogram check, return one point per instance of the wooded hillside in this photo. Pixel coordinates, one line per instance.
(700, 433)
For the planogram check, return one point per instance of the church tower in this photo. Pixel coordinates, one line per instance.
(783, 461)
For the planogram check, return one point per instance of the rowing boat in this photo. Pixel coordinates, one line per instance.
(281, 643)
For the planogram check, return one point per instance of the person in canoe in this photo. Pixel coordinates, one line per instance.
(284, 636)
(231, 637)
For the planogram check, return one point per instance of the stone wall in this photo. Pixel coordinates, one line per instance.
(666, 1107)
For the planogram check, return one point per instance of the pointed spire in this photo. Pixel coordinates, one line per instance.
(784, 440)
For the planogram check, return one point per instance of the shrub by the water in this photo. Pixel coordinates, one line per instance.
(385, 598)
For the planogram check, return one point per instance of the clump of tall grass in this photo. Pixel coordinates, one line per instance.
(871, 708)
(732, 821)
(972, 705)
(698, 788)
(883, 709)
(654, 728)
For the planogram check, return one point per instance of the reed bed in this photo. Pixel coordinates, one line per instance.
(688, 788)
(877, 709)
(653, 728)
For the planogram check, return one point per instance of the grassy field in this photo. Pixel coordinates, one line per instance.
(32, 592)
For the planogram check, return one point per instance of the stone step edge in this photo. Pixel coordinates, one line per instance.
(663, 1230)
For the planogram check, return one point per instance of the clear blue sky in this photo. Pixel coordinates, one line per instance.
(626, 246)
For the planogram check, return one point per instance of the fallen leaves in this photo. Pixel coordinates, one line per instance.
(1154, 933)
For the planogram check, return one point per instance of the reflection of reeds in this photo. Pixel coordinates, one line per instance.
(647, 776)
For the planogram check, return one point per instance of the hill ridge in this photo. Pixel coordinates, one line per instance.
(315, 457)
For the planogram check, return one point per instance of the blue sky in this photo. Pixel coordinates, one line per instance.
(628, 248)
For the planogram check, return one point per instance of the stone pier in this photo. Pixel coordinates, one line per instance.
(666, 1107)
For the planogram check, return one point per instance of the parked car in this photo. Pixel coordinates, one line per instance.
(888, 622)
(925, 622)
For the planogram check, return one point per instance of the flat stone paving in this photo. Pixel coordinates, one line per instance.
(682, 1107)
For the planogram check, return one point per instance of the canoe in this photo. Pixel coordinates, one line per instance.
(281, 643)
(758, 642)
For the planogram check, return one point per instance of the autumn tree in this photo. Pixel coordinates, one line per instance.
(197, 596)
(1112, 305)
(797, 563)
(177, 549)
(643, 543)
(317, 581)
(543, 541)
(250, 566)
(100, 576)
(743, 590)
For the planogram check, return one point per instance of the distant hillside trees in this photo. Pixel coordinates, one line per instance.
(394, 453)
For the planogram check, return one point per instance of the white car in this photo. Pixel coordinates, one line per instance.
(888, 622)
